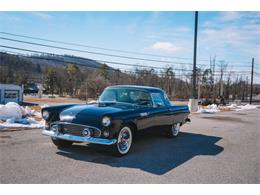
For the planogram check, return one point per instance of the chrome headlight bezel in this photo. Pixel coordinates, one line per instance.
(45, 114)
(106, 121)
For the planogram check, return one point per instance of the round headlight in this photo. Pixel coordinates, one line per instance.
(45, 115)
(106, 121)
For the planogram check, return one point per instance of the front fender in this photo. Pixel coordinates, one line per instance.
(54, 111)
(118, 124)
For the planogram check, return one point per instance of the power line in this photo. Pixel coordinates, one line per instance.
(95, 53)
(80, 64)
(94, 47)
(103, 61)
(122, 51)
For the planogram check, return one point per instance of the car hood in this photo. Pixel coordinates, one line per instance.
(91, 114)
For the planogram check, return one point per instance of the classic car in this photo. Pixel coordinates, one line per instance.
(119, 114)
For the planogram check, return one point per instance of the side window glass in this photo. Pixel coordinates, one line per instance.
(168, 102)
(157, 100)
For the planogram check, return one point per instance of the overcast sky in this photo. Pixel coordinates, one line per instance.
(231, 36)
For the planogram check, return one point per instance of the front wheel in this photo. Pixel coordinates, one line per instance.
(124, 141)
(61, 143)
(174, 130)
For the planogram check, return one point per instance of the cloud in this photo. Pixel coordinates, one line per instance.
(229, 16)
(177, 33)
(230, 33)
(184, 29)
(42, 15)
(165, 46)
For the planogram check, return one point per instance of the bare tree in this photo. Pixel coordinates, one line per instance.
(222, 67)
(212, 78)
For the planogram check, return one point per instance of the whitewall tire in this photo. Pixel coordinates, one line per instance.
(124, 141)
(174, 130)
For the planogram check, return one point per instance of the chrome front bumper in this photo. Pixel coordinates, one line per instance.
(76, 138)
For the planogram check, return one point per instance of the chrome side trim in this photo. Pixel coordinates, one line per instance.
(79, 138)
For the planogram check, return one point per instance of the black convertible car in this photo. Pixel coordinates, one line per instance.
(120, 113)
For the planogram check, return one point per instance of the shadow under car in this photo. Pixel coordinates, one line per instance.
(149, 152)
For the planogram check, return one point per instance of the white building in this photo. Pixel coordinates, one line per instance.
(10, 93)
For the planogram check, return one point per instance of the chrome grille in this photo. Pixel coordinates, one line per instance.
(76, 129)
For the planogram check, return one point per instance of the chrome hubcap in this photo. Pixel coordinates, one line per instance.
(124, 140)
(175, 129)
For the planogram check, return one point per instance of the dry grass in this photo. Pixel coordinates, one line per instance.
(57, 100)
(226, 109)
(179, 102)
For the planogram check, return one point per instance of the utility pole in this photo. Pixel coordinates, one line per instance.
(193, 101)
(195, 56)
(252, 78)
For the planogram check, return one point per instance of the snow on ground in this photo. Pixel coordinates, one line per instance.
(213, 108)
(44, 106)
(25, 123)
(245, 107)
(15, 115)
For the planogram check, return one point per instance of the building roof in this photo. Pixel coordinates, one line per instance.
(10, 86)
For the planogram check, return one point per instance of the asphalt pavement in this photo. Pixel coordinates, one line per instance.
(213, 148)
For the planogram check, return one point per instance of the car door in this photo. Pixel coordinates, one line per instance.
(160, 113)
(145, 120)
(143, 114)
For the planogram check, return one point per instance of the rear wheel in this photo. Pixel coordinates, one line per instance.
(61, 143)
(174, 130)
(124, 141)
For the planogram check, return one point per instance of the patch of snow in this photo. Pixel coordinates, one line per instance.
(44, 106)
(11, 110)
(24, 122)
(11, 120)
(212, 108)
(29, 112)
(15, 125)
(15, 115)
(245, 107)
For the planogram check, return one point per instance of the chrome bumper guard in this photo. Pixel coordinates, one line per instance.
(76, 138)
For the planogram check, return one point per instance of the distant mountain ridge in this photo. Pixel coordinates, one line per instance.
(50, 60)
(64, 60)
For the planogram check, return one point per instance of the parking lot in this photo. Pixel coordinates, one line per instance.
(214, 148)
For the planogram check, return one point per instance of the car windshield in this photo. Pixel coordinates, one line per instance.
(131, 96)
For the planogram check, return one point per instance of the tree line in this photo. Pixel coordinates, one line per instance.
(71, 79)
